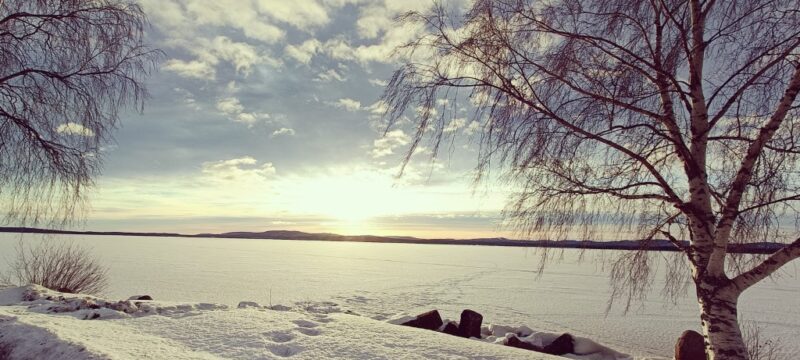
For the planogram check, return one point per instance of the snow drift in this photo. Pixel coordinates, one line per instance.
(39, 323)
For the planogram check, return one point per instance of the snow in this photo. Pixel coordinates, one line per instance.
(385, 281)
(44, 324)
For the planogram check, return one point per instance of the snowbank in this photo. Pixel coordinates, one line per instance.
(44, 324)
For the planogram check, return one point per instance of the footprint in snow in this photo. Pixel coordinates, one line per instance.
(305, 323)
(279, 336)
(308, 331)
(284, 350)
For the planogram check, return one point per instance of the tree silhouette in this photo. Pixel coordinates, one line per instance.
(67, 67)
(674, 118)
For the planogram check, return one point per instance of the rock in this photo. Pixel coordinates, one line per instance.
(691, 346)
(563, 344)
(470, 324)
(451, 328)
(248, 304)
(524, 331)
(430, 320)
(501, 330)
(140, 297)
(514, 341)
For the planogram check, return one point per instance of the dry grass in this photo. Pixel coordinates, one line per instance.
(61, 266)
(759, 348)
(5, 351)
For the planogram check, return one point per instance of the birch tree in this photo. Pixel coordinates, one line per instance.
(675, 118)
(67, 67)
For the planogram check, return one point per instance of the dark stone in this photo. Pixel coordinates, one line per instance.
(691, 346)
(514, 341)
(429, 320)
(563, 344)
(451, 328)
(470, 324)
(141, 297)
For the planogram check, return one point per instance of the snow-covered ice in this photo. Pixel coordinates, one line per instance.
(384, 281)
(35, 322)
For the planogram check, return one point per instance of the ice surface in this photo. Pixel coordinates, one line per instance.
(384, 281)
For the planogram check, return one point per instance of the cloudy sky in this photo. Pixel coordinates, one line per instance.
(265, 115)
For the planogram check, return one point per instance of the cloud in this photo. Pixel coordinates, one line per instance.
(234, 109)
(190, 69)
(379, 35)
(330, 75)
(241, 55)
(302, 14)
(454, 125)
(283, 131)
(472, 128)
(378, 108)
(72, 128)
(378, 82)
(377, 17)
(238, 169)
(386, 145)
(211, 52)
(230, 105)
(241, 15)
(304, 52)
(346, 103)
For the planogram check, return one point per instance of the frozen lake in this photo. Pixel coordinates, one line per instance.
(382, 280)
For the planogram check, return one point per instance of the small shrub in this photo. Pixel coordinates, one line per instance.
(61, 266)
(5, 351)
(759, 348)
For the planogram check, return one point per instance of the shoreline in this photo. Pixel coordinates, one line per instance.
(629, 245)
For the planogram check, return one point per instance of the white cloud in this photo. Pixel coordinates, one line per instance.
(230, 106)
(247, 118)
(472, 128)
(388, 143)
(191, 69)
(347, 104)
(330, 75)
(188, 98)
(72, 128)
(302, 14)
(243, 168)
(283, 131)
(234, 109)
(378, 82)
(303, 52)
(376, 24)
(454, 125)
(241, 55)
(236, 14)
(211, 52)
(377, 17)
(378, 108)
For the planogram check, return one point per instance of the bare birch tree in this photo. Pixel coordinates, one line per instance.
(67, 67)
(676, 118)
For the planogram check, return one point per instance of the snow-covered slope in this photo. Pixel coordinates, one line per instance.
(42, 324)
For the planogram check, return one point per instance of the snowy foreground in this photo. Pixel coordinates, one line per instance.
(43, 324)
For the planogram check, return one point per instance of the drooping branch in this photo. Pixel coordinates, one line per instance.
(69, 68)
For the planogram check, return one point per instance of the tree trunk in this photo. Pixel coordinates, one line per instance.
(718, 312)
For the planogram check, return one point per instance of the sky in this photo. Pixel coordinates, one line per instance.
(264, 115)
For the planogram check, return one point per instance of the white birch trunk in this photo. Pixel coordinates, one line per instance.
(719, 317)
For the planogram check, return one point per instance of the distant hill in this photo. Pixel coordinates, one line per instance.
(654, 245)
